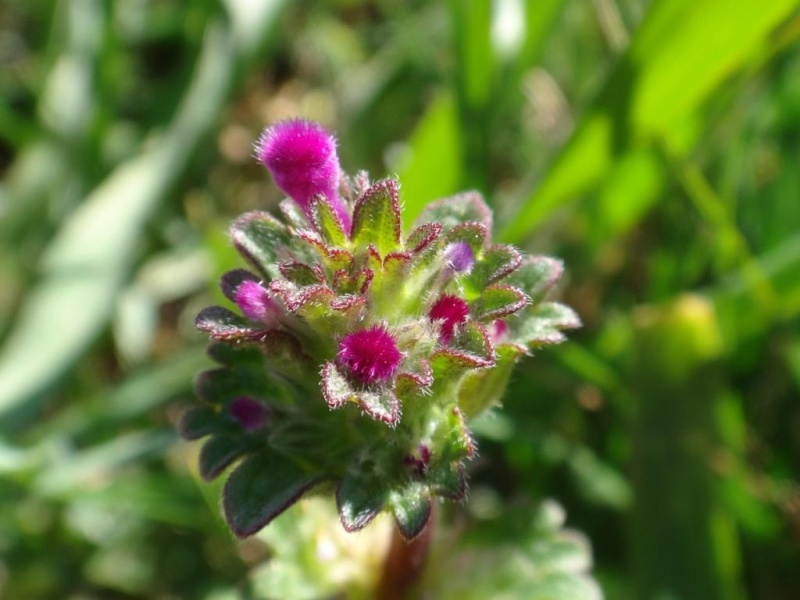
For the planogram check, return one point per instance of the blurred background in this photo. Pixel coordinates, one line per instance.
(653, 144)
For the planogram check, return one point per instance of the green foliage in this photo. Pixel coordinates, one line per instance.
(651, 144)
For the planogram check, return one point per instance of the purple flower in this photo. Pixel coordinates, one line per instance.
(249, 413)
(301, 157)
(371, 354)
(255, 303)
(451, 312)
(459, 257)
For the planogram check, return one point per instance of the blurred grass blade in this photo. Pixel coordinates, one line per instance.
(684, 544)
(675, 59)
(433, 167)
(91, 256)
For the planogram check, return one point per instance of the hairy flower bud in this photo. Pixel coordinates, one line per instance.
(301, 157)
(371, 355)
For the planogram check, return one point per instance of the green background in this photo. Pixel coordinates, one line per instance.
(651, 144)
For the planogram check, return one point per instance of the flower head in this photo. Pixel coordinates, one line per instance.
(451, 312)
(368, 347)
(255, 302)
(301, 157)
(371, 355)
(249, 413)
(459, 257)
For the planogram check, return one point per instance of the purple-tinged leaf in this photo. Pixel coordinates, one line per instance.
(300, 273)
(475, 340)
(537, 275)
(376, 218)
(348, 302)
(328, 223)
(222, 324)
(381, 405)
(457, 209)
(496, 262)
(422, 237)
(472, 233)
(498, 301)
(542, 325)
(336, 389)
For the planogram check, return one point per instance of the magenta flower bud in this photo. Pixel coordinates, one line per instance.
(301, 157)
(459, 257)
(371, 354)
(451, 312)
(248, 412)
(255, 303)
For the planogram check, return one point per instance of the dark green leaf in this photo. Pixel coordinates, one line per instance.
(359, 498)
(261, 488)
(412, 509)
(219, 452)
(198, 422)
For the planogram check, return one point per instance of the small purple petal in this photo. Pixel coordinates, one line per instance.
(498, 330)
(451, 312)
(301, 157)
(255, 303)
(371, 355)
(459, 257)
(249, 413)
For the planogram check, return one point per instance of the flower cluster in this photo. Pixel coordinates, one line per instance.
(358, 353)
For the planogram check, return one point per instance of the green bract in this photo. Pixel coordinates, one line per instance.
(337, 376)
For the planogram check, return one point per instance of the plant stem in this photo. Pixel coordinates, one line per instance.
(405, 562)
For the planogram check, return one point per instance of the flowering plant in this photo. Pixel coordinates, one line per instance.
(359, 353)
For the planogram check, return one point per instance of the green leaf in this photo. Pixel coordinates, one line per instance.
(498, 301)
(222, 324)
(198, 422)
(536, 276)
(260, 238)
(448, 480)
(423, 237)
(382, 405)
(261, 488)
(376, 218)
(336, 390)
(301, 274)
(327, 223)
(218, 453)
(472, 233)
(542, 325)
(455, 210)
(496, 262)
(412, 509)
(360, 496)
(481, 390)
